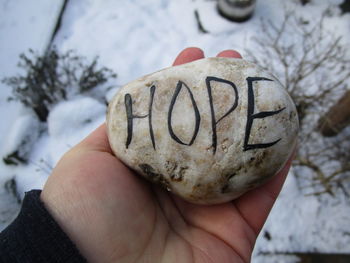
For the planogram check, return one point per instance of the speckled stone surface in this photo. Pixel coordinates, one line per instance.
(208, 131)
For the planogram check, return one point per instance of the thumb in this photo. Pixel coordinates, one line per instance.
(96, 141)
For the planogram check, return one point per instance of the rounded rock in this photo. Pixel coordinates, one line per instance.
(208, 130)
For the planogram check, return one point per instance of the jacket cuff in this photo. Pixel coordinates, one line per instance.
(34, 236)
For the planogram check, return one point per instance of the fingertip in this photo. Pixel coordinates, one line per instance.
(229, 53)
(188, 55)
(194, 52)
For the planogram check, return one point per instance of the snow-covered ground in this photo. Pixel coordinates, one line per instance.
(24, 24)
(135, 38)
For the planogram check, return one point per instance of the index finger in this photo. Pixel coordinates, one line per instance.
(255, 205)
(188, 55)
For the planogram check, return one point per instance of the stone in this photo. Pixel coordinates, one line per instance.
(208, 131)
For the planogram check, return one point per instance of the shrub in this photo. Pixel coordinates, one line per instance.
(314, 66)
(54, 77)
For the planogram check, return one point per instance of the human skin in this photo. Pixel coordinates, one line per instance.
(113, 215)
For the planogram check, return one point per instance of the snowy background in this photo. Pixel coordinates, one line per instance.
(135, 38)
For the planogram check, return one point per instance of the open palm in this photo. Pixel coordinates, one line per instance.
(113, 215)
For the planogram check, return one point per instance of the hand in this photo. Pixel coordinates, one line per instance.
(113, 215)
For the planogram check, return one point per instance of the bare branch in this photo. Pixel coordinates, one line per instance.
(314, 66)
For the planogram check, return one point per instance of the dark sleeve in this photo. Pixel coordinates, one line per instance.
(34, 236)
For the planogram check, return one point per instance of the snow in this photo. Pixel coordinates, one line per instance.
(305, 223)
(275, 258)
(135, 38)
(24, 24)
(70, 121)
(24, 133)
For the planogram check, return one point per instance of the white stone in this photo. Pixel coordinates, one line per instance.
(208, 131)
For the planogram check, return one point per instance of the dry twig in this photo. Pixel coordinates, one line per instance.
(314, 67)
